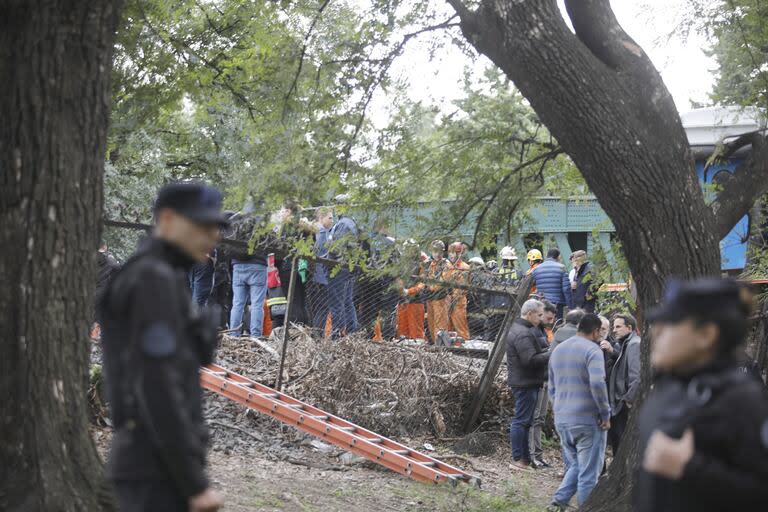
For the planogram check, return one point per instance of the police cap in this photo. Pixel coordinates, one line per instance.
(701, 299)
(196, 201)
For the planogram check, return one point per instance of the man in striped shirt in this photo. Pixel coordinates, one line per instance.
(582, 413)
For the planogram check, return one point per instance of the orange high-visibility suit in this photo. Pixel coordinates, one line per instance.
(410, 315)
(437, 306)
(457, 300)
(410, 319)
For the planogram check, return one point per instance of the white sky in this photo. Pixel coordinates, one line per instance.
(685, 68)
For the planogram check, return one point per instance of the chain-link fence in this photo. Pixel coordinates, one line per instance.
(463, 307)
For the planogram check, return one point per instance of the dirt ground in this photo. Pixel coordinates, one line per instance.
(260, 465)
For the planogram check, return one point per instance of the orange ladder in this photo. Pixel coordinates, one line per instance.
(330, 428)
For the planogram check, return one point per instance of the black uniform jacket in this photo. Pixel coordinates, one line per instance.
(152, 359)
(728, 412)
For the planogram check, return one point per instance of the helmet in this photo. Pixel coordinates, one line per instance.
(534, 255)
(491, 265)
(476, 260)
(437, 245)
(508, 253)
(456, 247)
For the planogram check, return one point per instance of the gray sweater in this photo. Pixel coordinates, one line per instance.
(577, 383)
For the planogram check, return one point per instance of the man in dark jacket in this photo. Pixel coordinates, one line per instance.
(552, 282)
(526, 372)
(154, 342)
(624, 379)
(704, 428)
(569, 328)
(342, 237)
(586, 285)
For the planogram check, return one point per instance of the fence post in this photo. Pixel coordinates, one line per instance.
(287, 323)
(497, 354)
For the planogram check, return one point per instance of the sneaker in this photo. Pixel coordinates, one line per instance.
(556, 507)
(541, 463)
(521, 465)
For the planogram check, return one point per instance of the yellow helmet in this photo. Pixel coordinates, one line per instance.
(534, 255)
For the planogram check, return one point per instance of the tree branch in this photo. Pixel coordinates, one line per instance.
(303, 55)
(748, 182)
(597, 27)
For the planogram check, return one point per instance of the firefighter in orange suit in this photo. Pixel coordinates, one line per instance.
(410, 309)
(437, 305)
(457, 298)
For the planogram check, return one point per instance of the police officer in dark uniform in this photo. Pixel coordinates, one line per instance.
(154, 341)
(704, 428)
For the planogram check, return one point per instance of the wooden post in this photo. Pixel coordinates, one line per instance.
(497, 354)
(286, 323)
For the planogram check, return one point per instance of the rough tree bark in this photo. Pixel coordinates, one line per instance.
(605, 103)
(55, 64)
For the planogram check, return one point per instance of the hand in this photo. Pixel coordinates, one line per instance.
(573, 286)
(667, 457)
(207, 501)
(604, 425)
(606, 346)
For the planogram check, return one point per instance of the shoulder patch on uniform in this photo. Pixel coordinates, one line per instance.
(158, 340)
(764, 434)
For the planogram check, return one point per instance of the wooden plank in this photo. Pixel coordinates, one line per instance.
(497, 355)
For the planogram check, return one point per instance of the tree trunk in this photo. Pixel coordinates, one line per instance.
(55, 64)
(606, 104)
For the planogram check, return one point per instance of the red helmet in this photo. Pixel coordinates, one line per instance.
(456, 247)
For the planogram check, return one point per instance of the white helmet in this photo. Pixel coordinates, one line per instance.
(476, 260)
(508, 253)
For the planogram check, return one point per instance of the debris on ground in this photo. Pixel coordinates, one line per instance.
(391, 388)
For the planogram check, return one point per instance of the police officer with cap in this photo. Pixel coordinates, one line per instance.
(154, 341)
(704, 428)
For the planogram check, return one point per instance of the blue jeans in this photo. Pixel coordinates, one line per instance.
(341, 292)
(248, 279)
(520, 426)
(583, 453)
(201, 282)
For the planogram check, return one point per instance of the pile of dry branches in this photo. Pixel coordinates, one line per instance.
(391, 388)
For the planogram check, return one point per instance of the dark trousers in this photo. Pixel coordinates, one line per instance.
(560, 310)
(148, 496)
(520, 426)
(341, 290)
(618, 426)
(201, 282)
(320, 305)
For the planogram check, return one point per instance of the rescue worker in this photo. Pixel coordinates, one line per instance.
(534, 260)
(503, 279)
(508, 271)
(410, 309)
(704, 427)
(154, 340)
(437, 306)
(457, 298)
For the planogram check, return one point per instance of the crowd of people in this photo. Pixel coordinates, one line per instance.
(421, 295)
(693, 455)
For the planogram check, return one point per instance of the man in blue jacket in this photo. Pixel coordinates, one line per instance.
(552, 282)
